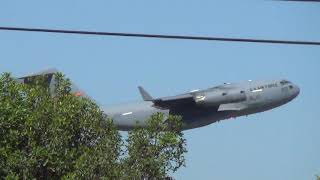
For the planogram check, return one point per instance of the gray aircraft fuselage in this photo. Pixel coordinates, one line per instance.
(203, 107)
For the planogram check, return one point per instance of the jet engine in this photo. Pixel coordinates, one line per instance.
(215, 98)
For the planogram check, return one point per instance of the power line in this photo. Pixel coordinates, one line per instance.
(301, 0)
(159, 36)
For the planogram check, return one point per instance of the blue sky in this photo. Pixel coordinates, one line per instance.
(282, 144)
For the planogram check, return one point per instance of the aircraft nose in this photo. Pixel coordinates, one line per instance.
(296, 90)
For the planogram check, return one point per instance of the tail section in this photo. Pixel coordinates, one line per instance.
(49, 74)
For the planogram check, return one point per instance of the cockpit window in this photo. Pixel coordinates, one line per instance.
(284, 82)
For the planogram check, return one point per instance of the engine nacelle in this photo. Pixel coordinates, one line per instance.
(215, 98)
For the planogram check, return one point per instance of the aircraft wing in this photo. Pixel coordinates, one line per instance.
(190, 100)
(169, 102)
(175, 101)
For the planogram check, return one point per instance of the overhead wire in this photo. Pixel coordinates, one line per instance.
(161, 36)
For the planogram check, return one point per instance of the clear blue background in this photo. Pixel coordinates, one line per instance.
(282, 144)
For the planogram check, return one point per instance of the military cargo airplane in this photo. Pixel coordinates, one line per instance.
(199, 107)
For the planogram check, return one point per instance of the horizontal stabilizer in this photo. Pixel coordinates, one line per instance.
(231, 107)
(145, 95)
(50, 80)
(44, 72)
(48, 73)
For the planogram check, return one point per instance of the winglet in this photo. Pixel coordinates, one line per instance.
(145, 95)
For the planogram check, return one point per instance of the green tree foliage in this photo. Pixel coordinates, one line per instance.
(48, 133)
(156, 150)
(52, 136)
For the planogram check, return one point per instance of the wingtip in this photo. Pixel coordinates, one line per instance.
(144, 94)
